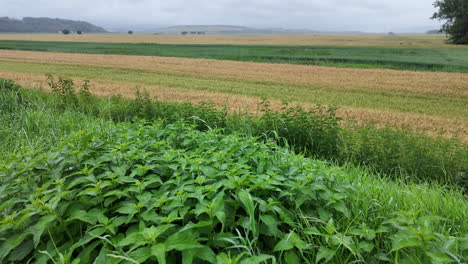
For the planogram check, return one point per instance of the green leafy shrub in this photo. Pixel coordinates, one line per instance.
(145, 193)
(406, 153)
(64, 89)
(314, 132)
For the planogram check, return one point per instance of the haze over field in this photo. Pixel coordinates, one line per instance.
(145, 15)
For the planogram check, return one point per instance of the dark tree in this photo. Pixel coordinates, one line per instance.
(79, 32)
(130, 32)
(455, 12)
(66, 31)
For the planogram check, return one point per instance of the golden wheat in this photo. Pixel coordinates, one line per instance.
(436, 83)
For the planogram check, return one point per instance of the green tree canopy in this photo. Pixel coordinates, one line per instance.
(455, 12)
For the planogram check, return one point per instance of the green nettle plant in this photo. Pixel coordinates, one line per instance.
(154, 193)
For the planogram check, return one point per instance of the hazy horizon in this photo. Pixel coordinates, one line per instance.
(145, 15)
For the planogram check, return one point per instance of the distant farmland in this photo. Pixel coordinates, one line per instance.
(448, 60)
(367, 40)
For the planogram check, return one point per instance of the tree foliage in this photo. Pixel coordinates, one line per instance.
(455, 12)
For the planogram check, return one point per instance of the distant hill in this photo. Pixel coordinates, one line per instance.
(226, 29)
(45, 25)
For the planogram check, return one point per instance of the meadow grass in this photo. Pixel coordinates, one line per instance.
(37, 126)
(391, 101)
(355, 57)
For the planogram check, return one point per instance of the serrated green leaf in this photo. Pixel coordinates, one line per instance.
(182, 240)
(272, 223)
(324, 253)
(291, 258)
(39, 228)
(283, 245)
(404, 242)
(256, 259)
(159, 251)
(10, 243)
(203, 253)
(140, 255)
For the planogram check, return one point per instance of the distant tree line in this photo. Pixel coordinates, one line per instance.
(193, 33)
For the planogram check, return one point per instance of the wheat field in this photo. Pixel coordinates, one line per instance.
(373, 40)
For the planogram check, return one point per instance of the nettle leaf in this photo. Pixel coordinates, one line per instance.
(324, 253)
(40, 227)
(404, 242)
(256, 259)
(182, 240)
(128, 208)
(20, 252)
(10, 243)
(141, 254)
(312, 231)
(272, 223)
(131, 239)
(247, 202)
(439, 257)
(159, 251)
(203, 253)
(291, 258)
(346, 241)
(283, 245)
(153, 232)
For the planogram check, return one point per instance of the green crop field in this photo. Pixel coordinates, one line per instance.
(449, 60)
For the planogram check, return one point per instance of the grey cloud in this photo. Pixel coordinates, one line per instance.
(363, 15)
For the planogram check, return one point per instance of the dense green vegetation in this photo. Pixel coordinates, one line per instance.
(315, 133)
(236, 215)
(139, 193)
(359, 57)
(76, 187)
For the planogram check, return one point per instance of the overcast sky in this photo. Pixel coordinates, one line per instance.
(326, 15)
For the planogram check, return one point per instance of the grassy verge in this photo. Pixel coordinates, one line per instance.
(313, 132)
(356, 57)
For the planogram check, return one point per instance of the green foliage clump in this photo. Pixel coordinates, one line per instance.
(146, 193)
(64, 89)
(314, 132)
(10, 96)
(400, 153)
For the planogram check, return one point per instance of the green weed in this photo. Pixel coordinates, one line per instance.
(146, 193)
